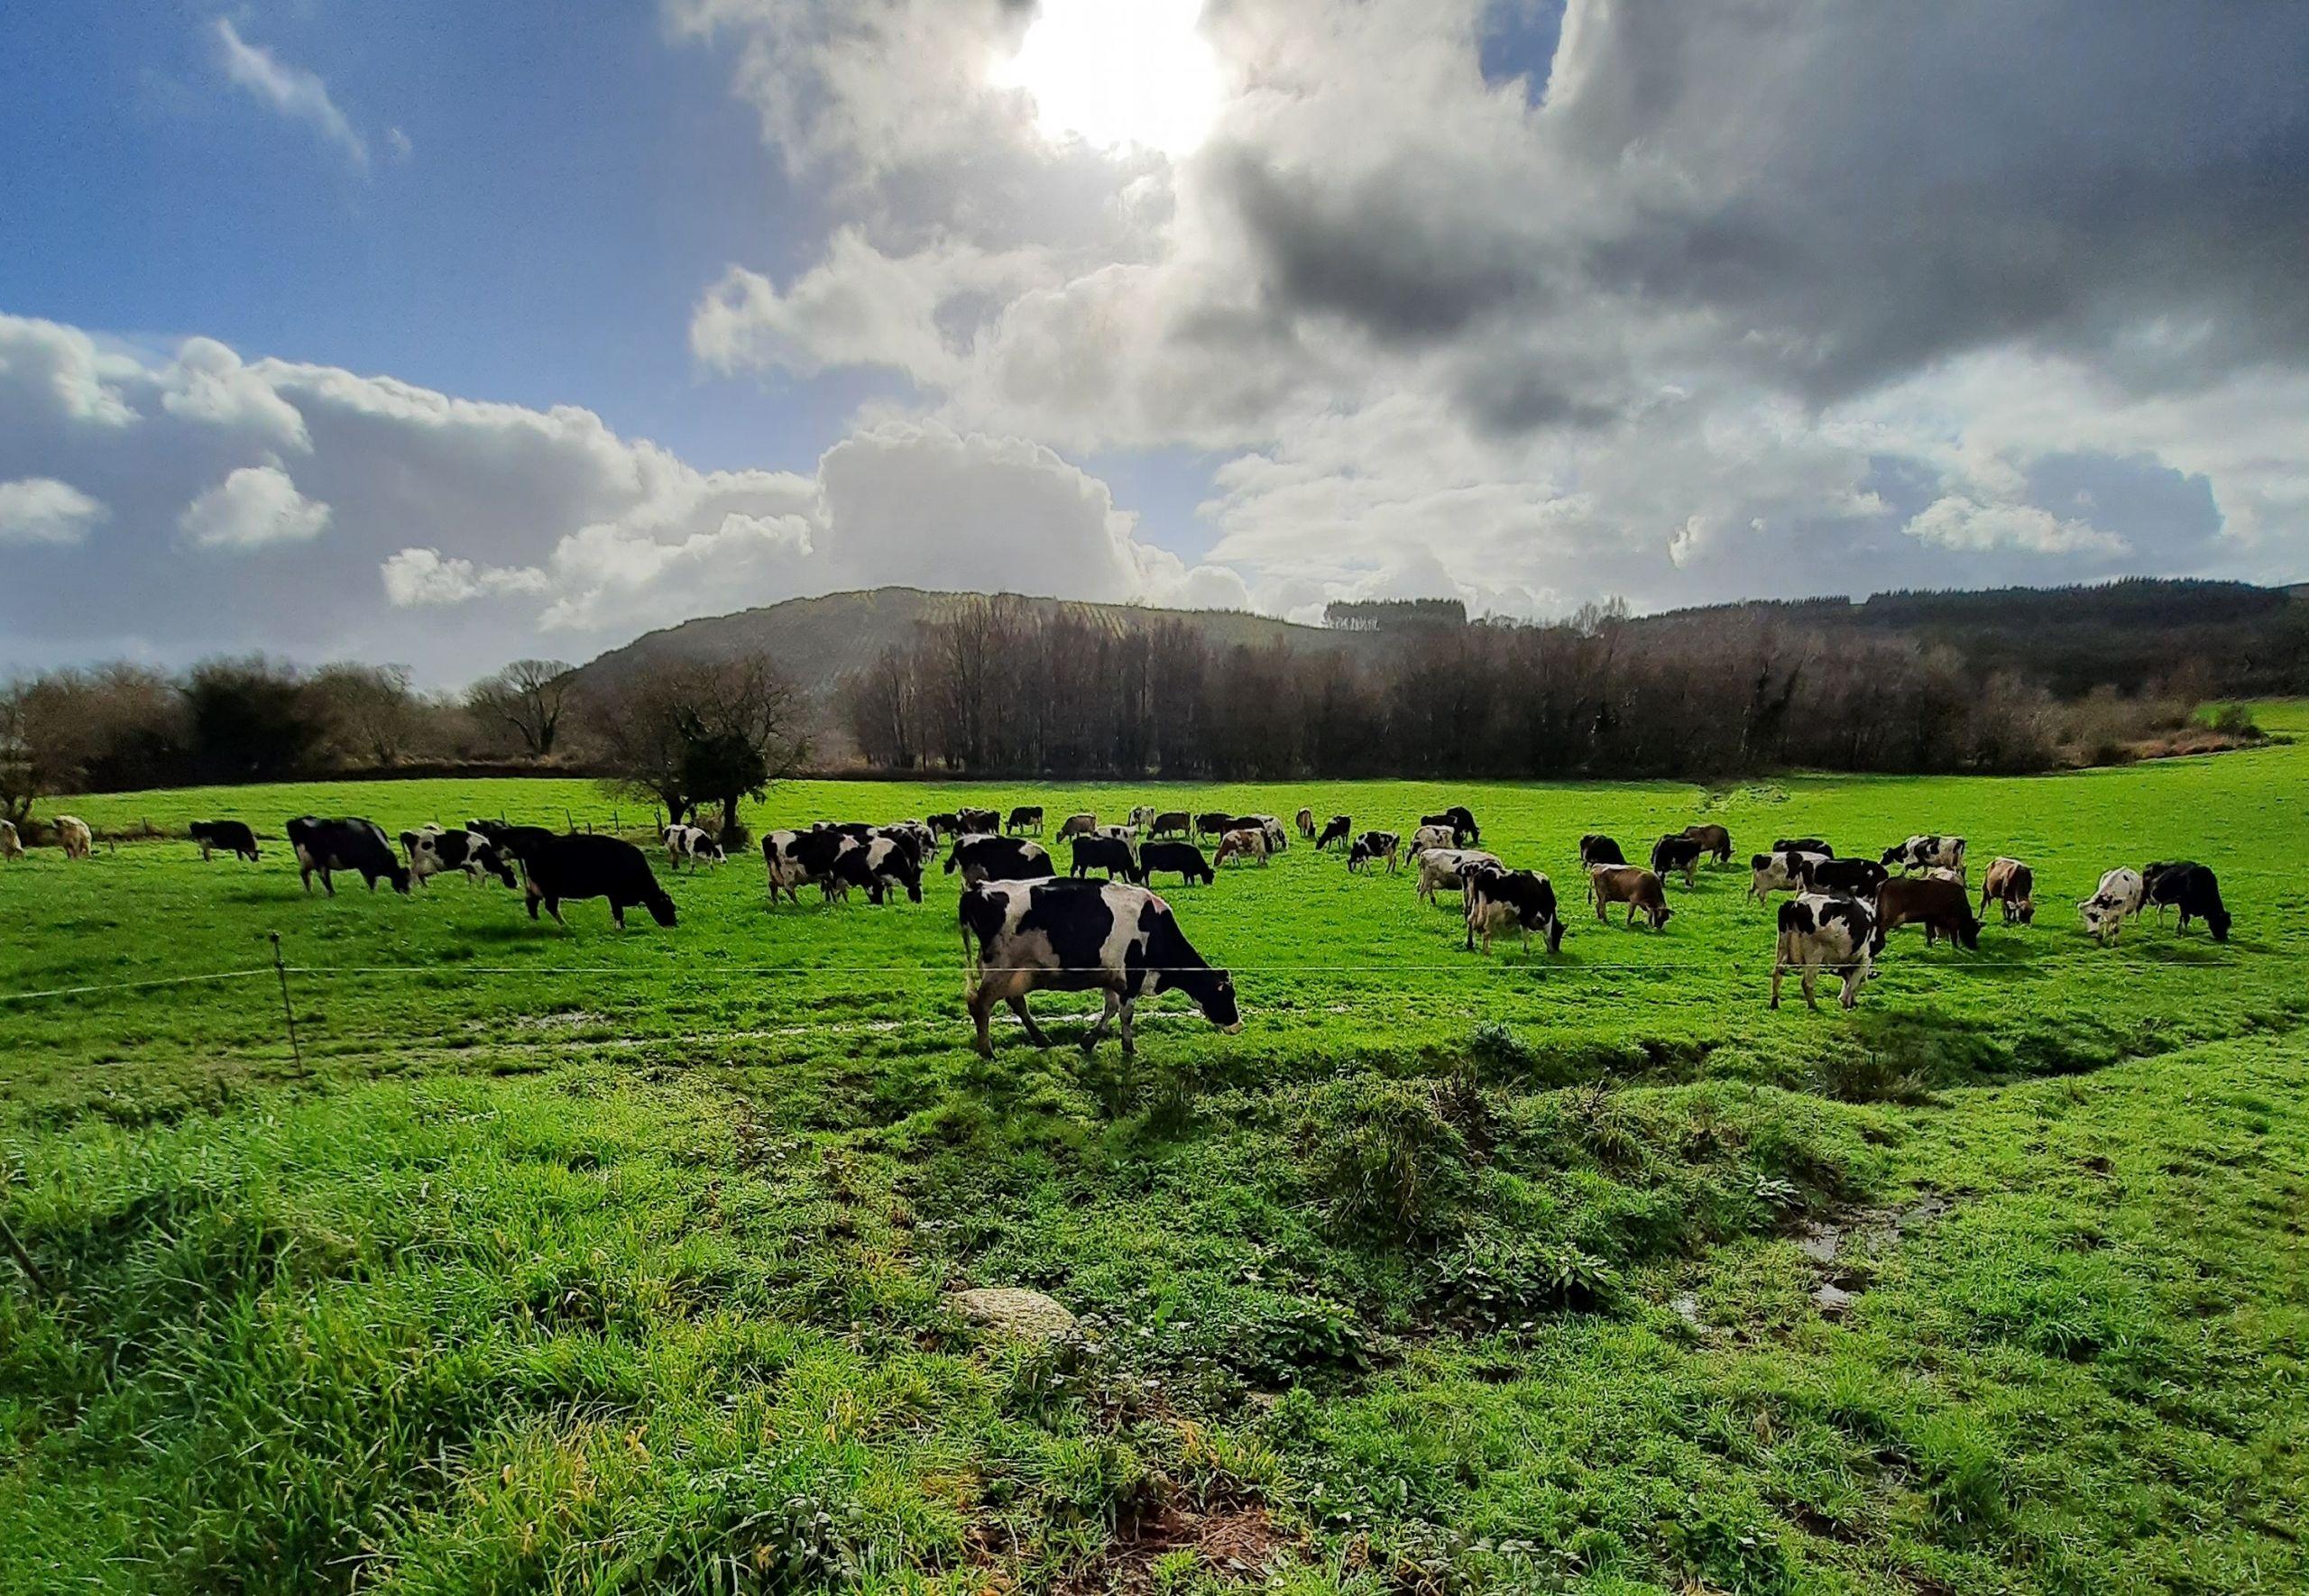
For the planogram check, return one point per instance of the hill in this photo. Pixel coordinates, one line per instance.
(821, 640)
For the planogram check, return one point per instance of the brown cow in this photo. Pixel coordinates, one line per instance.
(1713, 840)
(1247, 842)
(2012, 885)
(1944, 908)
(1636, 887)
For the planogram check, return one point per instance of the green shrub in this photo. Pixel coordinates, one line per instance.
(1384, 1158)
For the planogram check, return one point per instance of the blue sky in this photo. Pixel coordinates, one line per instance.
(448, 333)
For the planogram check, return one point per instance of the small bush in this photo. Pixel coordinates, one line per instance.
(1384, 1158)
(1493, 1282)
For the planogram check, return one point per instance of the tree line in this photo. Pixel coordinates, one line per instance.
(996, 689)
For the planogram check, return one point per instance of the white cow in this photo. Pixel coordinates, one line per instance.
(1143, 816)
(2122, 893)
(1428, 837)
(73, 832)
(1780, 872)
(1819, 932)
(11, 847)
(692, 846)
(1444, 869)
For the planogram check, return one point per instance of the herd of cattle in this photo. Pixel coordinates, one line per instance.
(1024, 926)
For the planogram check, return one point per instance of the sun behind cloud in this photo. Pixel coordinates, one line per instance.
(1118, 73)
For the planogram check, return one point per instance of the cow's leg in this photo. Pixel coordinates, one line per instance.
(1811, 971)
(1629, 922)
(1114, 1006)
(533, 896)
(327, 884)
(981, 1006)
(1778, 966)
(552, 907)
(1034, 1033)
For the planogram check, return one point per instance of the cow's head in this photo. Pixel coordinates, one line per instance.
(490, 858)
(2217, 922)
(1213, 990)
(660, 906)
(399, 876)
(1893, 856)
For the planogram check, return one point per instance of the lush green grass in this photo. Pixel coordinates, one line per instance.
(576, 1261)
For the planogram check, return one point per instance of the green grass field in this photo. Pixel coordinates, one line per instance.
(570, 1260)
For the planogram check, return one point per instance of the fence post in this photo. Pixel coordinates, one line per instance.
(287, 1012)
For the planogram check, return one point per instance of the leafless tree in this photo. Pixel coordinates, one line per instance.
(528, 697)
(684, 732)
(371, 711)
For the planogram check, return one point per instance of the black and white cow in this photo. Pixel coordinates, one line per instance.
(1850, 879)
(971, 821)
(796, 859)
(233, 837)
(1818, 932)
(1780, 871)
(1428, 835)
(1141, 816)
(692, 846)
(1462, 824)
(1678, 854)
(1520, 901)
(1114, 855)
(1278, 840)
(1444, 869)
(1804, 844)
(885, 866)
(2121, 893)
(1338, 829)
(999, 858)
(2192, 889)
(323, 846)
(1595, 849)
(1925, 852)
(1184, 858)
(1026, 817)
(434, 852)
(1371, 847)
(1076, 937)
(569, 869)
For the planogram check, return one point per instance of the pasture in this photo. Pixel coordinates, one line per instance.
(574, 1259)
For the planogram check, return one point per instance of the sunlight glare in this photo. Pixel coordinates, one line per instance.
(1118, 73)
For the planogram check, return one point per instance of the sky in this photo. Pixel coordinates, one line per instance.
(444, 335)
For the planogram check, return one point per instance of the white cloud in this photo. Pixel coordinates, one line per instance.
(1961, 523)
(292, 91)
(42, 511)
(418, 576)
(256, 506)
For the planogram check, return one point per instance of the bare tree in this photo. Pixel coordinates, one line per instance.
(45, 742)
(690, 733)
(371, 712)
(529, 698)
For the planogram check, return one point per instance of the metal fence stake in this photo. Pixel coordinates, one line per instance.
(287, 1012)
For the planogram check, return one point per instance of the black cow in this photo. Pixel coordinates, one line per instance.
(1463, 825)
(521, 841)
(1803, 845)
(232, 836)
(1117, 938)
(1214, 822)
(1110, 854)
(999, 858)
(1339, 830)
(575, 869)
(2192, 889)
(1026, 817)
(1522, 901)
(1171, 822)
(1595, 849)
(1673, 854)
(1850, 879)
(322, 846)
(944, 824)
(1184, 858)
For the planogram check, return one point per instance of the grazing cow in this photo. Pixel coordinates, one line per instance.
(1461, 824)
(1921, 853)
(323, 847)
(1818, 932)
(1781, 870)
(999, 858)
(1278, 840)
(883, 865)
(1306, 818)
(1172, 822)
(1944, 908)
(2191, 888)
(1670, 855)
(1213, 823)
(1026, 817)
(2122, 893)
(12, 846)
(232, 836)
(796, 859)
(1426, 837)
(692, 845)
(1372, 847)
(1114, 855)
(1117, 938)
(1078, 825)
(1141, 816)
(945, 823)
(2012, 886)
(1849, 879)
(1713, 840)
(915, 835)
(433, 852)
(1520, 901)
(1639, 889)
(1184, 858)
(1336, 829)
(1116, 833)
(987, 822)
(73, 835)
(1595, 849)
(571, 869)
(1444, 869)
(1804, 844)
(1248, 842)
